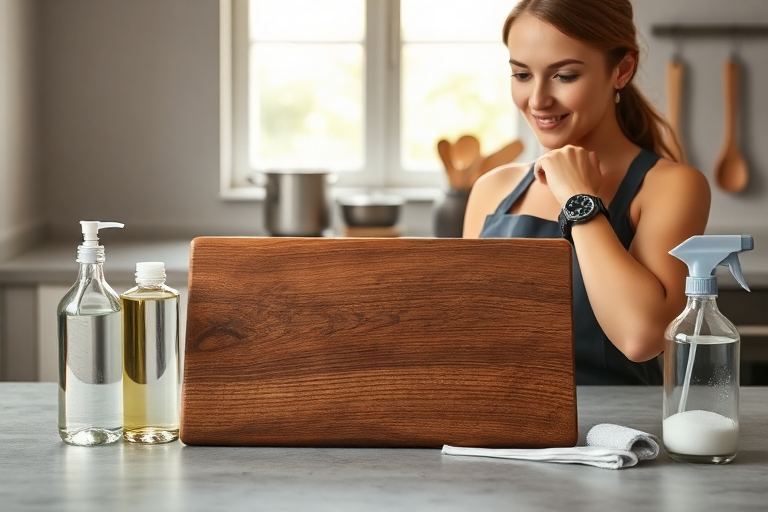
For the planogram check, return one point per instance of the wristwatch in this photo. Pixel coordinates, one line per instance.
(579, 209)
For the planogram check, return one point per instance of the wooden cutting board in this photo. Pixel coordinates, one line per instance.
(379, 343)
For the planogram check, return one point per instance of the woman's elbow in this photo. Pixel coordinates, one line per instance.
(642, 346)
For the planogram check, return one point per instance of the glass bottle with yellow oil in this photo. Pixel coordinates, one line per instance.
(150, 357)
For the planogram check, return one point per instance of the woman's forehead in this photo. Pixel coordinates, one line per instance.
(533, 41)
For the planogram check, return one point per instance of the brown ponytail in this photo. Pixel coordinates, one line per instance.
(607, 25)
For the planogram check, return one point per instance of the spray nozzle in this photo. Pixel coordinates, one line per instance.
(704, 253)
(91, 231)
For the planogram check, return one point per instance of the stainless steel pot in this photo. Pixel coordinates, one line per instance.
(296, 203)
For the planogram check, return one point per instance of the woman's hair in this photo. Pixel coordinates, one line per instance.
(607, 26)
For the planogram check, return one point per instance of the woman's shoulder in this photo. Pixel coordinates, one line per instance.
(674, 196)
(488, 192)
(669, 177)
(501, 178)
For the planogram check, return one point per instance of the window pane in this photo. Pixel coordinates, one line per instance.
(454, 20)
(307, 20)
(452, 89)
(306, 108)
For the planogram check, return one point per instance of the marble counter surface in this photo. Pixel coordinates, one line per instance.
(39, 472)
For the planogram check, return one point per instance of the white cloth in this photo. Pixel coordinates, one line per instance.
(608, 447)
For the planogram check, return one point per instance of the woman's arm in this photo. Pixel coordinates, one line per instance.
(636, 294)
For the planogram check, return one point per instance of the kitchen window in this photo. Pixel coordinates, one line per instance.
(364, 88)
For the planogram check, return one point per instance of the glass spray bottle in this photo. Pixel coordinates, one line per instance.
(151, 354)
(701, 358)
(90, 355)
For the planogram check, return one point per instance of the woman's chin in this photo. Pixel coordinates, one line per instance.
(551, 141)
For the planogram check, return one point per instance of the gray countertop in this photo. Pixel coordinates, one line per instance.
(39, 472)
(53, 262)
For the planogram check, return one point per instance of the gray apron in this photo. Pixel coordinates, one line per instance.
(598, 361)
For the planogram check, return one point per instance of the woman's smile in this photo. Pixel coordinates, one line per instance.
(548, 122)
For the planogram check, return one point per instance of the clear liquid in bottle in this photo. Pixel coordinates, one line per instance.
(90, 379)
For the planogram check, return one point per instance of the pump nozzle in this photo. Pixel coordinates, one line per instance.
(704, 253)
(91, 230)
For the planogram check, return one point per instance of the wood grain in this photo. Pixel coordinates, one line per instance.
(379, 342)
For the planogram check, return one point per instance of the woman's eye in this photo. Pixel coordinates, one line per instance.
(566, 78)
(521, 77)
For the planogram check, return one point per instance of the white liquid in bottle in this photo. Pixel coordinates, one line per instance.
(701, 433)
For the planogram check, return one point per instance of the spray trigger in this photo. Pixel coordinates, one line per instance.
(732, 262)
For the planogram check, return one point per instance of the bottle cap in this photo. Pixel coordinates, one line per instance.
(150, 272)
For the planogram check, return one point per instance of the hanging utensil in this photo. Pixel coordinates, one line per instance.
(675, 76)
(465, 153)
(731, 173)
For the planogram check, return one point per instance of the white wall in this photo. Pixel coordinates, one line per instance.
(130, 112)
(20, 215)
(131, 117)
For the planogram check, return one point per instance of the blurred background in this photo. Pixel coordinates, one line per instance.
(115, 109)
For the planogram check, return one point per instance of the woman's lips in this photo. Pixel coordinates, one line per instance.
(548, 122)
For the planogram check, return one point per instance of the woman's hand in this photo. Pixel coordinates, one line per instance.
(568, 171)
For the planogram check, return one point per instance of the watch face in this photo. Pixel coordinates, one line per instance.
(579, 207)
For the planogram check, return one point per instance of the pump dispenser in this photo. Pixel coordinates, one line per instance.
(701, 357)
(90, 350)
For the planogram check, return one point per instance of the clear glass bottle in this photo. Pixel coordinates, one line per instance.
(90, 355)
(701, 358)
(701, 385)
(151, 357)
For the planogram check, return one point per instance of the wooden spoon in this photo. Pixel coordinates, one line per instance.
(503, 156)
(464, 154)
(731, 172)
(444, 150)
(675, 75)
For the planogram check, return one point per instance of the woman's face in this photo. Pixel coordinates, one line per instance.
(560, 84)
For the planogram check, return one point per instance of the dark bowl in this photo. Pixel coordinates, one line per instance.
(371, 210)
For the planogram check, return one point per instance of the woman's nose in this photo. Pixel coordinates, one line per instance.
(540, 98)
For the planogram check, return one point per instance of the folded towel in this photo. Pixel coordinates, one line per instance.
(609, 447)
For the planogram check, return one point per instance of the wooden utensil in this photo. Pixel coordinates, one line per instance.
(503, 156)
(675, 76)
(465, 153)
(731, 172)
(444, 150)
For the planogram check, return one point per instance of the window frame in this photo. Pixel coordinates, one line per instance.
(382, 88)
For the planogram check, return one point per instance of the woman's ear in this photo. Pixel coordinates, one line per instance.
(625, 70)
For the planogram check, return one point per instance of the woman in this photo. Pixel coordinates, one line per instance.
(572, 63)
